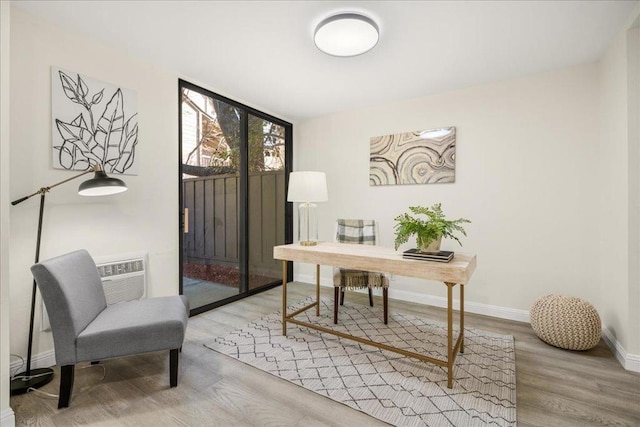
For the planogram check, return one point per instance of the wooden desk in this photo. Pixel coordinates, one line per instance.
(382, 260)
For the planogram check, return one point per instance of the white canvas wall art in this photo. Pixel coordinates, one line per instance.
(421, 157)
(93, 122)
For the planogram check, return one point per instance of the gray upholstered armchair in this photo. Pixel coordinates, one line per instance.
(85, 329)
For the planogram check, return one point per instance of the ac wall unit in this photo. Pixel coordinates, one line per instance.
(124, 278)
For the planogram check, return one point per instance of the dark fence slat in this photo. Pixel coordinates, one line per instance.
(232, 217)
(268, 219)
(280, 209)
(219, 218)
(255, 218)
(188, 204)
(209, 224)
(199, 219)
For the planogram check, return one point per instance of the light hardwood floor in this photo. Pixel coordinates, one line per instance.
(554, 387)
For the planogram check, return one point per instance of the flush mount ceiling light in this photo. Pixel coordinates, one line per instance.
(346, 34)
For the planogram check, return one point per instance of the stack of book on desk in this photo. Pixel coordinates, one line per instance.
(442, 256)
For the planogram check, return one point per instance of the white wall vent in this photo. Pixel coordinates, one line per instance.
(124, 278)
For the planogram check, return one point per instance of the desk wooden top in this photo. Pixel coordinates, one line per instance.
(378, 259)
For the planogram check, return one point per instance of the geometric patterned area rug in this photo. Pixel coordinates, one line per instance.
(388, 386)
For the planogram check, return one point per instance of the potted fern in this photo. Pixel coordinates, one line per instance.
(429, 231)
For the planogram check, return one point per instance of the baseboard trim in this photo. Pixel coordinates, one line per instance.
(7, 418)
(41, 360)
(630, 362)
(469, 306)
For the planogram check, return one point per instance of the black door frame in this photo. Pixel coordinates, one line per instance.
(243, 244)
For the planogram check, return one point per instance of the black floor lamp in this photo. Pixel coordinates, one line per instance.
(99, 185)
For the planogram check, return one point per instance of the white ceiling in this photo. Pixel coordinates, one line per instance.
(262, 52)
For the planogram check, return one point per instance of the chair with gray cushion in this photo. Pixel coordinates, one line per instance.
(86, 329)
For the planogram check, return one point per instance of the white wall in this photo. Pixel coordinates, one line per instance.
(6, 414)
(142, 219)
(633, 80)
(526, 175)
(613, 203)
(619, 205)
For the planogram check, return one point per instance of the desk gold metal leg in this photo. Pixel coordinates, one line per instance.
(284, 298)
(461, 318)
(317, 289)
(450, 334)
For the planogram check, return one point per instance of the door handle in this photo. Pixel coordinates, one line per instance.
(186, 220)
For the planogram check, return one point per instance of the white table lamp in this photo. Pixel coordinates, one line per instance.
(307, 187)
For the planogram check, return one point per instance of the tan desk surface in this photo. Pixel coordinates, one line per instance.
(380, 259)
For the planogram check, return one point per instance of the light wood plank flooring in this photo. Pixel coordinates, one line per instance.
(554, 387)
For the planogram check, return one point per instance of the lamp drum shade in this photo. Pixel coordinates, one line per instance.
(307, 186)
(101, 185)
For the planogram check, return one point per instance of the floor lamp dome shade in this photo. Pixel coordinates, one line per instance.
(346, 34)
(101, 185)
(307, 187)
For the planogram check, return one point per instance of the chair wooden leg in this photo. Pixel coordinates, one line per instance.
(385, 299)
(370, 297)
(173, 367)
(341, 296)
(66, 385)
(336, 296)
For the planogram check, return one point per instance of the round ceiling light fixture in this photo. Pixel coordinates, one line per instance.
(346, 34)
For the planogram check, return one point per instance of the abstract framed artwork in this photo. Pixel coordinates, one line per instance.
(421, 157)
(93, 122)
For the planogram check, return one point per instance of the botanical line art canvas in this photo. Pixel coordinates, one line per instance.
(421, 157)
(93, 122)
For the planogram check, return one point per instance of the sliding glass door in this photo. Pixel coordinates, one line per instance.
(234, 164)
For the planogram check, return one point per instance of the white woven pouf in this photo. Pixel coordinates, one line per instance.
(566, 322)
